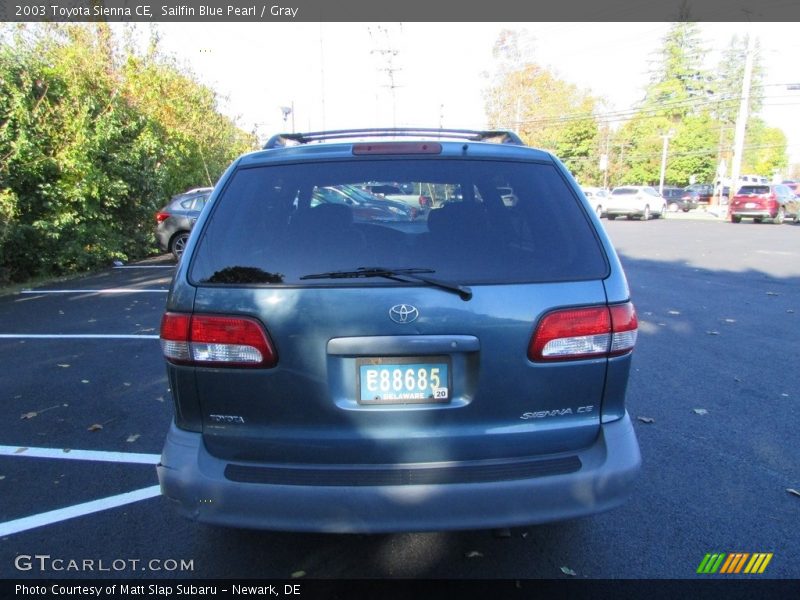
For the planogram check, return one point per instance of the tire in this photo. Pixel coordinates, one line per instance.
(611, 217)
(178, 244)
(663, 213)
(646, 213)
(673, 207)
(757, 220)
(780, 217)
(735, 219)
(599, 211)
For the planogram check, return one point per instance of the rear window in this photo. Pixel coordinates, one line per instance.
(754, 189)
(277, 224)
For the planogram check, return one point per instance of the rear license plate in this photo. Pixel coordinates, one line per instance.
(750, 205)
(403, 380)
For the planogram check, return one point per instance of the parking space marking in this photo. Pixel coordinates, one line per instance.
(76, 336)
(145, 267)
(92, 455)
(78, 510)
(100, 291)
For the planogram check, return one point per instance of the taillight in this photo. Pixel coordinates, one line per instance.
(591, 332)
(212, 340)
(162, 216)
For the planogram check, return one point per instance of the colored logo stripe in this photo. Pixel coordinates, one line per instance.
(711, 563)
(758, 563)
(734, 563)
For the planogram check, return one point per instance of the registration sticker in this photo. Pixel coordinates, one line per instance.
(403, 380)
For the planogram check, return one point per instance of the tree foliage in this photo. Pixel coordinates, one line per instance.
(545, 110)
(93, 140)
(690, 105)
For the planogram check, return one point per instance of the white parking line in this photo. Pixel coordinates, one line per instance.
(78, 510)
(145, 267)
(93, 455)
(76, 336)
(101, 291)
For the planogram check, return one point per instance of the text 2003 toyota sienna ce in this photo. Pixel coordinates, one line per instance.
(335, 368)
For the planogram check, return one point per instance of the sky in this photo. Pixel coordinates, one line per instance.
(343, 75)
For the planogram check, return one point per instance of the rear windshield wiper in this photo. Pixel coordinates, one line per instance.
(414, 274)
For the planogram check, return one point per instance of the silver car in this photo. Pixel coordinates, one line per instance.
(174, 222)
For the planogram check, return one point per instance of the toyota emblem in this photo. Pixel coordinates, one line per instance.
(403, 313)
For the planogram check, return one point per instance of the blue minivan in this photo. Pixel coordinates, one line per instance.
(465, 369)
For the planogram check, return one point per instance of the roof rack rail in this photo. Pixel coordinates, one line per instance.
(497, 136)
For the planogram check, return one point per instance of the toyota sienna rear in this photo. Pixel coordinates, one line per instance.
(337, 370)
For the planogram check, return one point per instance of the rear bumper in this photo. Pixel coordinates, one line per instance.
(635, 212)
(753, 213)
(196, 482)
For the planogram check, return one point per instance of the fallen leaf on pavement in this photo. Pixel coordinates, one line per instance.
(95, 427)
(647, 420)
(700, 411)
(674, 312)
(773, 294)
(298, 574)
(132, 438)
(473, 554)
(35, 413)
(568, 571)
(712, 332)
(793, 492)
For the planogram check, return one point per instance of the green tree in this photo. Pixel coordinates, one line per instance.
(675, 106)
(765, 149)
(93, 139)
(546, 111)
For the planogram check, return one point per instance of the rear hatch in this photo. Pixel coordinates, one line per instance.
(400, 341)
(752, 197)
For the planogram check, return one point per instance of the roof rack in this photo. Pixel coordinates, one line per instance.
(497, 136)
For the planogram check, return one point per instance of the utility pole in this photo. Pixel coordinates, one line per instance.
(665, 137)
(741, 119)
(389, 53)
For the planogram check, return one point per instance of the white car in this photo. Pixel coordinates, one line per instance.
(598, 198)
(635, 201)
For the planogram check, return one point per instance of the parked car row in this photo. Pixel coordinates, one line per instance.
(644, 202)
(754, 200)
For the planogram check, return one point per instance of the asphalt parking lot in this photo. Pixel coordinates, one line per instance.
(715, 396)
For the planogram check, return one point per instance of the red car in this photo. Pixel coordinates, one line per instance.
(765, 201)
